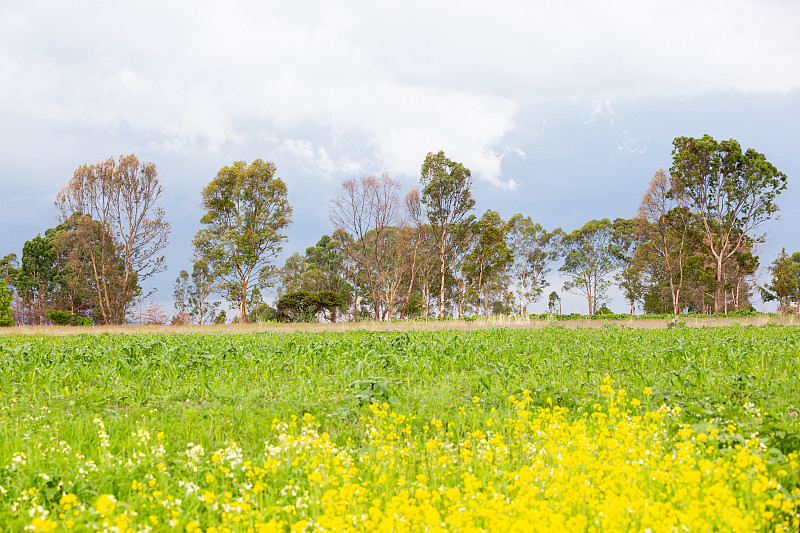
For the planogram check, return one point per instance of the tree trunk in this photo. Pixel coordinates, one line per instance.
(242, 302)
(441, 285)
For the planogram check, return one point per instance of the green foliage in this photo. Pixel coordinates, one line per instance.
(5, 306)
(198, 293)
(118, 231)
(554, 303)
(534, 250)
(220, 387)
(733, 193)
(447, 199)
(604, 310)
(590, 256)
(66, 318)
(785, 284)
(247, 211)
(303, 306)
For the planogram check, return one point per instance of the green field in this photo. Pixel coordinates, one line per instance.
(279, 431)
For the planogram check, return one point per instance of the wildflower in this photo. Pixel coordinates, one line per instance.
(105, 504)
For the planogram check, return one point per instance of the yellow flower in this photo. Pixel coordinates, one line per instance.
(105, 504)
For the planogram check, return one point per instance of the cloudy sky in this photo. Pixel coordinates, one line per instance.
(563, 110)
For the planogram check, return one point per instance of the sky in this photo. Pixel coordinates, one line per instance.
(562, 110)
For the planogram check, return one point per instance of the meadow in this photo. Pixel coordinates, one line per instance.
(589, 429)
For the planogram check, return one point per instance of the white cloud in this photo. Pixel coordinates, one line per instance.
(313, 160)
(630, 145)
(410, 76)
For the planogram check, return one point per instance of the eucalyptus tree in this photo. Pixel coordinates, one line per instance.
(629, 237)
(326, 270)
(590, 257)
(366, 209)
(446, 200)
(180, 294)
(6, 318)
(671, 231)
(733, 192)
(37, 279)
(535, 249)
(123, 198)
(247, 211)
(199, 292)
(489, 259)
(785, 284)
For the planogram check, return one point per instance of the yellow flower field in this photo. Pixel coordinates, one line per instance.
(622, 467)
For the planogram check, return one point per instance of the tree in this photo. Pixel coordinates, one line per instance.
(199, 291)
(84, 288)
(293, 274)
(123, 198)
(303, 306)
(246, 213)
(490, 257)
(591, 256)
(36, 279)
(628, 238)
(464, 237)
(535, 249)
(670, 231)
(327, 271)
(785, 284)
(8, 269)
(6, 319)
(155, 315)
(447, 199)
(366, 209)
(553, 303)
(180, 294)
(733, 192)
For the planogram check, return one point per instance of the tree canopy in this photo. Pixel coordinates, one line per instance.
(247, 212)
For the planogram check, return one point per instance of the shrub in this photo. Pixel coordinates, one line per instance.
(66, 318)
(5, 306)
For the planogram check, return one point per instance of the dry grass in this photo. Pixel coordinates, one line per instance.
(410, 325)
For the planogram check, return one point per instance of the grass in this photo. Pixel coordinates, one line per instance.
(227, 386)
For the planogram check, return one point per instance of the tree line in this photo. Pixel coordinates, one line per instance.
(396, 254)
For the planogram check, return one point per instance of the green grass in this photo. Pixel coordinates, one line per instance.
(212, 389)
(217, 387)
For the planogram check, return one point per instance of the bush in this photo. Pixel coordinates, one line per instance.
(65, 318)
(5, 306)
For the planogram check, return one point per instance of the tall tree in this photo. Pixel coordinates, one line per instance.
(293, 275)
(87, 287)
(733, 192)
(246, 213)
(671, 231)
(180, 295)
(327, 271)
(447, 200)
(490, 257)
(628, 237)
(785, 284)
(366, 209)
(37, 279)
(535, 250)
(554, 303)
(123, 197)
(6, 318)
(591, 257)
(9, 266)
(199, 291)
(465, 237)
